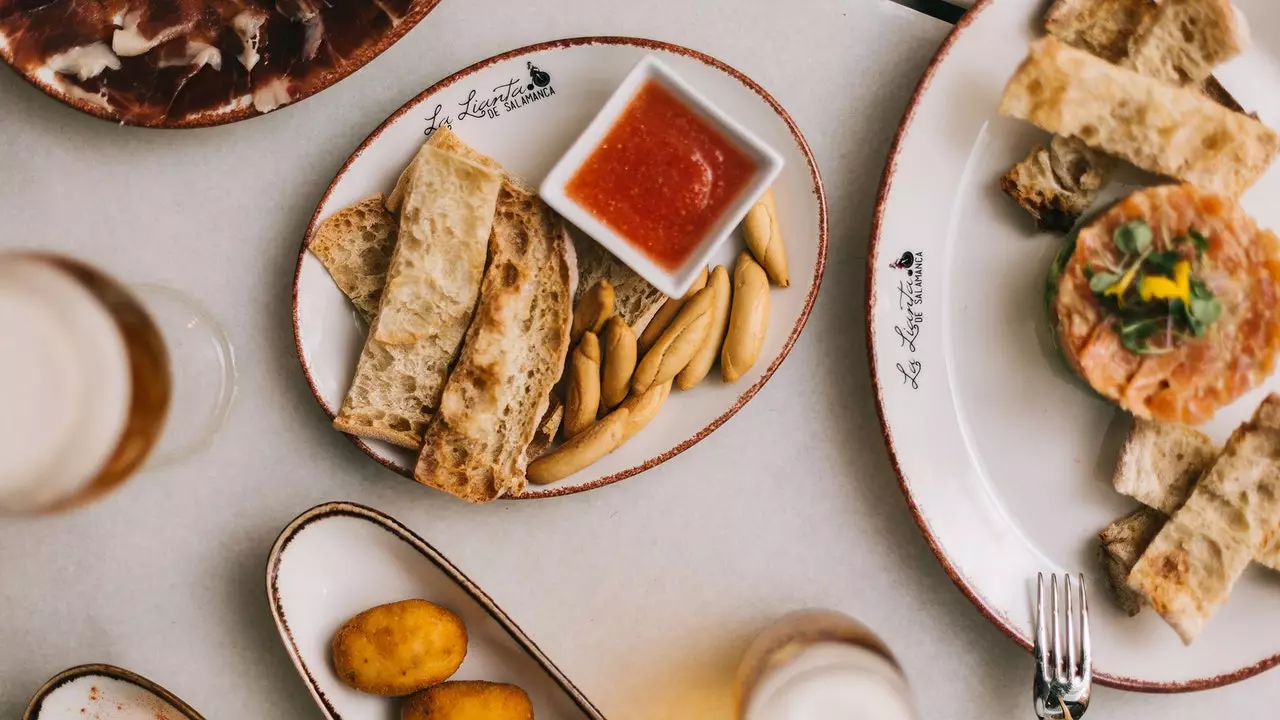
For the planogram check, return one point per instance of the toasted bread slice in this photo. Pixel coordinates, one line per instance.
(1058, 183)
(1232, 515)
(1185, 40)
(443, 139)
(1102, 27)
(1241, 492)
(1120, 545)
(432, 285)
(1187, 574)
(498, 393)
(354, 244)
(1157, 126)
(1160, 463)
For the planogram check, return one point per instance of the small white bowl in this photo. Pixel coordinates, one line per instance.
(672, 283)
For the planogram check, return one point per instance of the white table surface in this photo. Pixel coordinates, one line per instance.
(646, 592)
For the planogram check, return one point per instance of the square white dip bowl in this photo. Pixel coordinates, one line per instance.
(675, 283)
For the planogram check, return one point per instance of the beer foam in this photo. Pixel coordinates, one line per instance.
(65, 384)
(832, 680)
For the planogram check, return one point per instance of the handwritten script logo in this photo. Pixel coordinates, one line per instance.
(508, 97)
(911, 305)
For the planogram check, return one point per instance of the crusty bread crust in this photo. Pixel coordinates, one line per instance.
(1120, 544)
(514, 351)
(355, 245)
(1102, 27)
(1185, 40)
(432, 286)
(1058, 183)
(1161, 128)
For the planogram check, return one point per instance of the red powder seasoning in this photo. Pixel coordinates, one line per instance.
(661, 177)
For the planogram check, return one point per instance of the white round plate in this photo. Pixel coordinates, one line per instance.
(1005, 459)
(340, 559)
(491, 108)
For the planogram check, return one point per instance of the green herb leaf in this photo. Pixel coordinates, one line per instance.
(1134, 335)
(1137, 346)
(1133, 237)
(1202, 243)
(1163, 262)
(1206, 311)
(1102, 281)
(1200, 290)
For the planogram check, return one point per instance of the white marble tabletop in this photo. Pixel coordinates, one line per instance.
(646, 592)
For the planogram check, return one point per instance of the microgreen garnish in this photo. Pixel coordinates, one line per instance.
(1163, 262)
(1133, 237)
(1202, 243)
(1103, 280)
(1135, 334)
(1151, 291)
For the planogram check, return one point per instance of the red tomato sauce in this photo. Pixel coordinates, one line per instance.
(661, 177)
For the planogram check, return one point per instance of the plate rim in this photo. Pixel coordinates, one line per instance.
(417, 12)
(108, 671)
(962, 583)
(401, 531)
(649, 44)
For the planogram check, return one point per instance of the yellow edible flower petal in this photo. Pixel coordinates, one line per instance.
(1154, 286)
(1182, 276)
(1123, 284)
(1157, 287)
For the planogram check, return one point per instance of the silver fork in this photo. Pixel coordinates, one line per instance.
(1064, 673)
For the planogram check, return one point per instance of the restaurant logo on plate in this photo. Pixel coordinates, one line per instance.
(514, 94)
(911, 304)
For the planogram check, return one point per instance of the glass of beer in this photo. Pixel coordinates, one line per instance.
(820, 665)
(99, 380)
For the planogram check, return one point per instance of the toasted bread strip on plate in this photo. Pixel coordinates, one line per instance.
(1159, 127)
(432, 286)
(1232, 515)
(496, 396)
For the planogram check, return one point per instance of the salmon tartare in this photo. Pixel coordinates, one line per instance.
(1169, 303)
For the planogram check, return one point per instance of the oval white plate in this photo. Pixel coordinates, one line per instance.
(490, 107)
(339, 559)
(105, 692)
(1005, 459)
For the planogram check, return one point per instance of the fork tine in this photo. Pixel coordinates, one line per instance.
(1041, 648)
(1086, 650)
(1056, 653)
(1071, 628)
